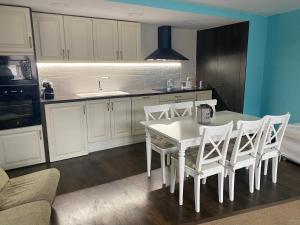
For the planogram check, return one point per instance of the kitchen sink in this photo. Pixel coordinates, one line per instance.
(101, 93)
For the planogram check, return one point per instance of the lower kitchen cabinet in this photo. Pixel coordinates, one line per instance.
(178, 97)
(204, 95)
(66, 128)
(108, 118)
(98, 120)
(120, 117)
(138, 114)
(21, 147)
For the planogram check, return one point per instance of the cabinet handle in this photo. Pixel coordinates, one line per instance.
(30, 41)
(145, 97)
(84, 109)
(63, 53)
(40, 133)
(121, 54)
(117, 53)
(108, 106)
(68, 53)
(112, 106)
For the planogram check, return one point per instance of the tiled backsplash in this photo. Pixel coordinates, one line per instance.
(70, 78)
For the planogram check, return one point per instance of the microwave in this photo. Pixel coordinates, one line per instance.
(16, 70)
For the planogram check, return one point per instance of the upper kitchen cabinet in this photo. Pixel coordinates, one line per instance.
(129, 40)
(105, 34)
(79, 38)
(49, 36)
(16, 33)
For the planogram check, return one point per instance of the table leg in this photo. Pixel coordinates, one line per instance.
(148, 151)
(181, 166)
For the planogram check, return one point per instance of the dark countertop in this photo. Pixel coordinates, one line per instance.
(131, 93)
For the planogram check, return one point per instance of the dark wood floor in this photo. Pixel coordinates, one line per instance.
(111, 187)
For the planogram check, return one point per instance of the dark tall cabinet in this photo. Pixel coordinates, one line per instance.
(221, 63)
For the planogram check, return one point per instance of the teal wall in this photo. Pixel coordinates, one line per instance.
(281, 91)
(256, 43)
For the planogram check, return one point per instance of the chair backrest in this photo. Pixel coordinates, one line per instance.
(181, 109)
(3, 178)
(214, 144)
(157, 112)
(248, 139)
(273, 132)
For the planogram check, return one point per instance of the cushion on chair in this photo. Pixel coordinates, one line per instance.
(161, 142)
(3, 179)
(37, 186)
(34, 213)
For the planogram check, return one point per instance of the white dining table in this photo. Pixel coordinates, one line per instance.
(184, 132)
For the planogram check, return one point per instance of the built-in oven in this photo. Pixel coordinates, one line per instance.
(19, 106)
(17, 70)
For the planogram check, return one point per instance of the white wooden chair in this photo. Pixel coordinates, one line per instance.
(244, 152)
(207, 160)
(158, 144)
(270, 144)
(181, 109)
(211, 102)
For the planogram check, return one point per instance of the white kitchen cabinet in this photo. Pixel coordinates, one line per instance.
(78, 38)
(98, 120)
(67, 131)
(129, 40)
(105, 37)
(49, 36)
(16, 32)
(138, 114)
(204, 95)
(177, 97)
(21, 147)
(120, 117)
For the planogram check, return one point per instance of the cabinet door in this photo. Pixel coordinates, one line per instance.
(21, 147)
(16, 34)
(204, 95)
(98, 120)
(120, 117)
(49, 36)
(138, 114)
(129, 40)
(66, 127)
(79, 38)
(105, 37)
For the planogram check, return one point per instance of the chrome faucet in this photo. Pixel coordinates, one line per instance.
(99, 83)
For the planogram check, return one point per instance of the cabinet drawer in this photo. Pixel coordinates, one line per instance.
(204, 95)
(177, 97)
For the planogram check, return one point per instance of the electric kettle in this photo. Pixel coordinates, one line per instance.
(204, 113)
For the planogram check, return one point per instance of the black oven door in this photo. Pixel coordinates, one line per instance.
(19, 106)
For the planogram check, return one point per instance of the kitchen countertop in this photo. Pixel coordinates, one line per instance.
(131, 93)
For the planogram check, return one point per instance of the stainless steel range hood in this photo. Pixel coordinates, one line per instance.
(165, 51)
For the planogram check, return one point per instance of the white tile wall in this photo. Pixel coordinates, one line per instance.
(75, 78)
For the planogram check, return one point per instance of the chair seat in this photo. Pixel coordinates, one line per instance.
(34, 213)
(32, 187)
(162, 143)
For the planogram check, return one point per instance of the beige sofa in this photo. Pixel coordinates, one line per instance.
(27, 200)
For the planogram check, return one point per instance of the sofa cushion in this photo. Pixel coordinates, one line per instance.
(3, 179)
(37, 186)
(34, 213)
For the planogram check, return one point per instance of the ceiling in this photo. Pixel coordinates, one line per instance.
(262, 7)
(120, 11)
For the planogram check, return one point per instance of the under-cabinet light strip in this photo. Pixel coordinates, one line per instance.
(110, 64)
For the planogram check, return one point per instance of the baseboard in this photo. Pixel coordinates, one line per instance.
(116, 142)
